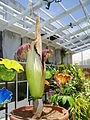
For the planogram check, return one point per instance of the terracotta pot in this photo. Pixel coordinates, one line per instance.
(65, 114)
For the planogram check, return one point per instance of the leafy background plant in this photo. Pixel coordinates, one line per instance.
(75, 94)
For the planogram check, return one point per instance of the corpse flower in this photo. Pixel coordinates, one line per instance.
(5, 96)
(35, 67)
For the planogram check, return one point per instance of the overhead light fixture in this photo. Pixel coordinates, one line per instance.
(49, 3)
(72, 25)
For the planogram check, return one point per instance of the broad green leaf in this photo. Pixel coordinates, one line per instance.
(70, 100)
(59, 97)
(64, 99)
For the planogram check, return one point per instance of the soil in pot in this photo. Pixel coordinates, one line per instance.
(49, 113)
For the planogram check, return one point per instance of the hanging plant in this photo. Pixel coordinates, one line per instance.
(64, 53)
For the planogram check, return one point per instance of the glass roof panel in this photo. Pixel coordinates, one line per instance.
(66, 20)
(70, 3)
(75, 28)
(88, 8)
(88, 31)
(84, 24)
(63, 17)
(78, 14)
(80, 34)
(54, 9)
(56, 25)
(23, 2)
(66, 32)
(44, 16)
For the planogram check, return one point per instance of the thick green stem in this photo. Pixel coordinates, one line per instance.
(38, 104)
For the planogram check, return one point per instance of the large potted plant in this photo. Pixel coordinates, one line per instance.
(35, 71)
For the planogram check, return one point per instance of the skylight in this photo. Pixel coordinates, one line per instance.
(68, 19)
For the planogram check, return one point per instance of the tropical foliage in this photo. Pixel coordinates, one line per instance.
(71, 90)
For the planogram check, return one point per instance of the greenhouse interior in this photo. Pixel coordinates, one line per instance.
(44, 59)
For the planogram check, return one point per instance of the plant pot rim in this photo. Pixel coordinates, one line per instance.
(60, 109)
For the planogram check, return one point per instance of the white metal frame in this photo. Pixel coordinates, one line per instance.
(26, 25)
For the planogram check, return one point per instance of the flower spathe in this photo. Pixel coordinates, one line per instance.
(35, 59)
(22, 50)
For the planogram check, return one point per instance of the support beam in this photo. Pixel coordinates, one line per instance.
(78, 31)
(47, 22)
(29, 31)
(86, 48)
(81, 47)
(74, 20)
(81, 38)
(62, 46)
(84, 9)
(63, 28)
(23, 14)
(8, 7)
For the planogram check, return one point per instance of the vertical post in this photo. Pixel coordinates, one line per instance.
(5, 16)
(16, 91)
(6, 105)
(82, 58)
(15, 94)
(24, 24)
(27, 91)
(1, 50)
